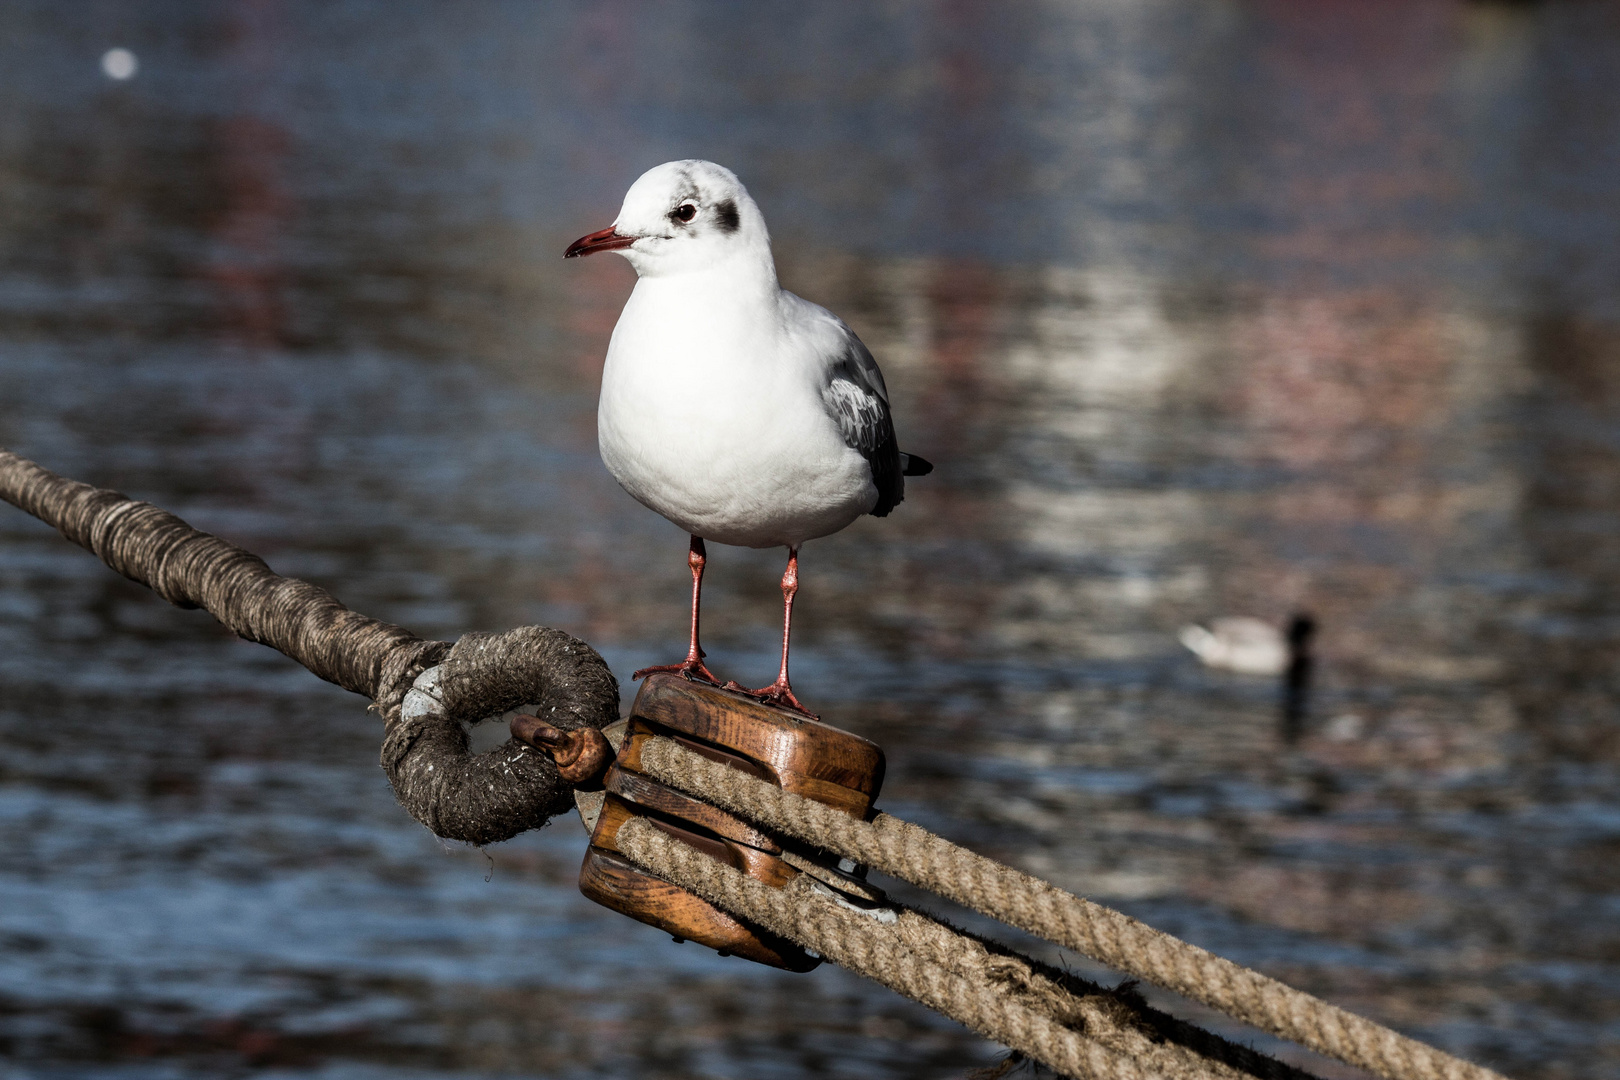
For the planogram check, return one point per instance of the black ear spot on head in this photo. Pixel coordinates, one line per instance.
(726, 216)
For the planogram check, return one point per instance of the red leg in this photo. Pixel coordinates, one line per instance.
(779, 692)
(692, 667)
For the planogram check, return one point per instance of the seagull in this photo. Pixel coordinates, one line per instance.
(737, 410)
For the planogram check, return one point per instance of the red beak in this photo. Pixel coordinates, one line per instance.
(600, 240)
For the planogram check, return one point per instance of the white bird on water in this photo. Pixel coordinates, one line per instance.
(739, 411)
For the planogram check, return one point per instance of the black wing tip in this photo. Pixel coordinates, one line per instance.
(891, 487)
(913, 465)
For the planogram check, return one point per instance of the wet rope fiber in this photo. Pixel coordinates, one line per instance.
(930, 862)
(478, 798)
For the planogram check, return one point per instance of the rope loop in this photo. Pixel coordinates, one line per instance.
(477, 798)
(493, 796)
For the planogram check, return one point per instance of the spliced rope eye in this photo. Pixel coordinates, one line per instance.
(479, 798)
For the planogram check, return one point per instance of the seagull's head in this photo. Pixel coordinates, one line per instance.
(683, 216)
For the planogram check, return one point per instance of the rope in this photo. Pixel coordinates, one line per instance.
(930, 862)
(193, 569)
(917, 957)
(487, 797)
(478, 798)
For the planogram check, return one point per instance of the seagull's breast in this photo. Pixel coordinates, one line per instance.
(712, 415)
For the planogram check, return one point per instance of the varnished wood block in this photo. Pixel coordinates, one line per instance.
(636, 788)
(796, 753)
(615, 883)
(757, 864)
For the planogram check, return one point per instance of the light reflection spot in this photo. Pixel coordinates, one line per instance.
(119, 64)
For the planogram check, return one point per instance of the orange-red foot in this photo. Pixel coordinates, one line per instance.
(778, 693)
(692, 670)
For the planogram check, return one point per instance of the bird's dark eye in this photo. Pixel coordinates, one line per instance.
(684, 213)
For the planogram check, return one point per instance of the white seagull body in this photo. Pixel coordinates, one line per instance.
(718, 414)
(737, 410)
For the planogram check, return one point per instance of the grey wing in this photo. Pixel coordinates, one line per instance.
(856, 397)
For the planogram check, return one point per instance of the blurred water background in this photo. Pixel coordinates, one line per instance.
(1201, 308)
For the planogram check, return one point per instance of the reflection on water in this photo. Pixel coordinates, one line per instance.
(1201, 309)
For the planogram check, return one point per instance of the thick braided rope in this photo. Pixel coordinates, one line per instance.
(877, 951)
(913, 854)
(479, 798)
(190, 568)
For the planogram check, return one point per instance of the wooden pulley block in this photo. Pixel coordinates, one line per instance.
(785, 748)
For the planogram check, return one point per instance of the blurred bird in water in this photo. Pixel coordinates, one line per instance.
(1239, 643)
(737, 410)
